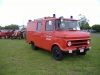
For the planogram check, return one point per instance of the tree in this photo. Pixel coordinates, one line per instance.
(1, 28)
(96, 27)
(12, 26)
(86, 26)
(83, 22)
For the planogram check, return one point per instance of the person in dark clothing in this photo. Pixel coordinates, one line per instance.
(21, 33)
(24, 34)
(12, 32)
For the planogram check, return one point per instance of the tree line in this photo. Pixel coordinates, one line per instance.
(83, 22)
(9, 27)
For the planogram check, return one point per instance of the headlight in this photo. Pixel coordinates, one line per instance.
(69, 43)
(88, 42)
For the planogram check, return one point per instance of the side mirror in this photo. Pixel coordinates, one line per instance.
(61, 19)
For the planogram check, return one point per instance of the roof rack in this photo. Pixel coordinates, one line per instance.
(43, 18)
(38, 19)
(48, 17)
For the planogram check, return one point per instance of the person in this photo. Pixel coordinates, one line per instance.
(12, 32)
(21, 33)
(24, 34)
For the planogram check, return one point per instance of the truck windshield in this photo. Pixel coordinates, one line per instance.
(67, 25)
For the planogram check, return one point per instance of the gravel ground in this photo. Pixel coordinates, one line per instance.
(95, 34)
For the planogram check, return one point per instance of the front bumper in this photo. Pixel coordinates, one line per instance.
(78, 50)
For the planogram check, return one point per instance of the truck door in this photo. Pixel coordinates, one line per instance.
(38, 34)
(48, 34)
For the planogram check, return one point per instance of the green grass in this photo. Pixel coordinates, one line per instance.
(17, 58)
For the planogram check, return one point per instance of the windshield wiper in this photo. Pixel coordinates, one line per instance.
(72, 29)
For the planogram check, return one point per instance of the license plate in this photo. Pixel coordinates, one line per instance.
(70, 51)
(81, 50)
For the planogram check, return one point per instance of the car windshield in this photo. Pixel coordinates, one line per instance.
(69, 25)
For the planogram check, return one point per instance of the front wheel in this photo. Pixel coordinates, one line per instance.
(57, 53)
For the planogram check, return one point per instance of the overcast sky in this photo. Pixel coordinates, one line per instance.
(15, 11)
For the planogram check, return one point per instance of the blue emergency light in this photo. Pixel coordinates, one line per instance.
(71, 17)
(54, 15)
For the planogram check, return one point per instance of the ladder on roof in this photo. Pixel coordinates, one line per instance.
(38, 19)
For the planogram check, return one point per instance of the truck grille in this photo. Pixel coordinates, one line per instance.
(79, 42)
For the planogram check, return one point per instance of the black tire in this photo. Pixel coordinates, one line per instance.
(33, 46)
(20, 38)
(6, 37)
(82, 53)
(12, 37)
(57, 53)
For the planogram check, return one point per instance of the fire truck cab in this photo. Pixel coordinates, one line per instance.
(57, 35)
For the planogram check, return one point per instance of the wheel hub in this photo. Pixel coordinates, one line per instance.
(56, 53)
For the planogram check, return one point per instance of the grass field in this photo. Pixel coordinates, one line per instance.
(17, 58)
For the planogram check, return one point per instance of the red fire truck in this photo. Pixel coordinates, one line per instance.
(57, 35)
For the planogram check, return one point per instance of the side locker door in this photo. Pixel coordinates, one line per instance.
(48, 34)
(38, 34)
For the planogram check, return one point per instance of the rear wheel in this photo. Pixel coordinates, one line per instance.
(57, 53)
(33, 46)
(6, 37)
(12, 36)
(0, 37)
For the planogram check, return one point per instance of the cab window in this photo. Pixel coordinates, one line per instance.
(38, 26)
(49, 26)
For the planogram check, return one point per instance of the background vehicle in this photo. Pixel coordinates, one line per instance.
(5, 34)
(16, 35)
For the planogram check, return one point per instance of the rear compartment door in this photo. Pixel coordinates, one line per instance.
(38, 34)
